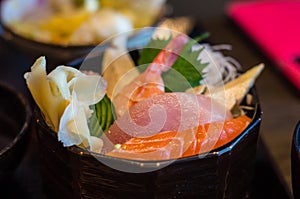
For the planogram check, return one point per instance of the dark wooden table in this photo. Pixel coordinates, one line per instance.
(279, 100)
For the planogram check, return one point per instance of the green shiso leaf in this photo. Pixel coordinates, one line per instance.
(102, 117)
(185, 73)
(149, 52)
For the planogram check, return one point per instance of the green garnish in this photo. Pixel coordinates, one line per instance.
(187, 69)
(102, 117)
(149, 52)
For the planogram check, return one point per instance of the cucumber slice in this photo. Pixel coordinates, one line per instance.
(102, 117)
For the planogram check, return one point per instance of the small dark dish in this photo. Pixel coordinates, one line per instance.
(15, 119)
(223, 173)
(295, 161)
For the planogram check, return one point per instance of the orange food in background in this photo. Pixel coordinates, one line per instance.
(170, 144)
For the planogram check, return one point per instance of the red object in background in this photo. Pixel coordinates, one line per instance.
(275, 27)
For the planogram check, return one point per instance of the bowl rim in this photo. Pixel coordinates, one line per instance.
(255, 121)
(27, 120)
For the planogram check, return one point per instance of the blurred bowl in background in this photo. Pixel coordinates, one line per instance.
(63, 32)
(15, 120)
(295, 161)
(74, 172)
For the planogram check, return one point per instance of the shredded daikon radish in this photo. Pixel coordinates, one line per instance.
(222, 69)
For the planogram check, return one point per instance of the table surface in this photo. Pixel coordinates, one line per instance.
(278, 121)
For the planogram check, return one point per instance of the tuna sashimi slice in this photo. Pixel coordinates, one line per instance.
(164, 112)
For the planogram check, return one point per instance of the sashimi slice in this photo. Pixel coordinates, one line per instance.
(162, 146)
(170, 144)
(214, 135)
(164, 112)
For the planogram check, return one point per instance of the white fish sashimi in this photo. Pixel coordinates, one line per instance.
(118, 68)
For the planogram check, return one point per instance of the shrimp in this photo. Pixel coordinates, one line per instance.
(150, 82)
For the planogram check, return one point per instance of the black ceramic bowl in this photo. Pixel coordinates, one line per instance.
(223, 173)
(295, 161)
(15, 119)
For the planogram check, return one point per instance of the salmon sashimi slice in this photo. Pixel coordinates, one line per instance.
(211, 136)
(163, 146)
(171, 144)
